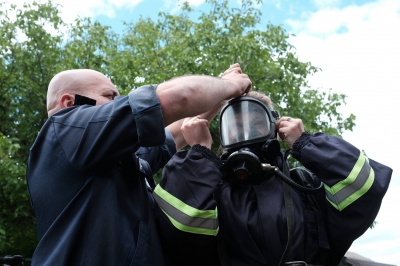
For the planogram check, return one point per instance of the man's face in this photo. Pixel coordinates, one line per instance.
(260, 127)
(248, 127)
(99, 88)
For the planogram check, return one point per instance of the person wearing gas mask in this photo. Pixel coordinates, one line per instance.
(247, 208)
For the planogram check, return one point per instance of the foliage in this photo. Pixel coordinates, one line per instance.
(28, 54)
(35, 44)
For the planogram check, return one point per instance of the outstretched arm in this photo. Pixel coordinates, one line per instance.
(175, 128)
(188, 96)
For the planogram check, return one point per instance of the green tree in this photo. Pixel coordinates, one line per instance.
(176, 45)
(28, 54)
(36, 44)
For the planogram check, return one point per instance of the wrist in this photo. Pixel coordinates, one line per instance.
(298, 145)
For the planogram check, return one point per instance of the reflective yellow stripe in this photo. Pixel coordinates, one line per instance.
(185, 217)
(358, 182)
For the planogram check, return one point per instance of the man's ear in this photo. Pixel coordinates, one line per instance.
(67, 100)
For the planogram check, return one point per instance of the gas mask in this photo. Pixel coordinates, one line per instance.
(248, 134)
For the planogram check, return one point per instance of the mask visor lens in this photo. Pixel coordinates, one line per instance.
(244, 121)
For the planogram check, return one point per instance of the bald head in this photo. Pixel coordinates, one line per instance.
(90, 83)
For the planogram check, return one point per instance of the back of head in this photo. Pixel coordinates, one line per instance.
(262, 97)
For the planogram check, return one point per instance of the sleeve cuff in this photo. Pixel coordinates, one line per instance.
(148, 116)
(298, 145)
(208, 154)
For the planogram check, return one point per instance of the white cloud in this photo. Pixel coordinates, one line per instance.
(382, 243)
(195, 2)
(361, 63)
(72, 9)
(326, 3)
(357, 49)
(92, 8)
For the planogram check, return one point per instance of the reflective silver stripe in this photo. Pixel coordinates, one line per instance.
(185, 217)
(354, 186)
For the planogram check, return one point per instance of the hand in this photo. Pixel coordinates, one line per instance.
(209, 115)
(195, 131)
(289, 129)
(232, 68)
(240, 82)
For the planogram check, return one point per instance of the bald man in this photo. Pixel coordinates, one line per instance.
(90, 83)
(88, 189)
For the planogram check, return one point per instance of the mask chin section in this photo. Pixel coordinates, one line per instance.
(242, 166)
(245, 167)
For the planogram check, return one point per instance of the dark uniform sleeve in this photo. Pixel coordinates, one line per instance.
(93, 135)
(91, 204)
(188, 212)
(354, 185)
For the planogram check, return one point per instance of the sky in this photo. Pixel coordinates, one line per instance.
(356, 43)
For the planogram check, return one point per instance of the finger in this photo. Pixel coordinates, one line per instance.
(235, 65)
(232, 70)
(285, 118)
(282, 136)
(195, 118)
(186, 120)
(248, 89)
(203, 121)
(283, 121)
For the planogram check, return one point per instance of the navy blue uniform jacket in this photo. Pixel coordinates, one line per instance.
(214, 222)
(91, 203)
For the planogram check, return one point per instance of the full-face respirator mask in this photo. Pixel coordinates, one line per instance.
(249, 136)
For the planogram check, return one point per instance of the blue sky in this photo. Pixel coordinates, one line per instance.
(356, 43)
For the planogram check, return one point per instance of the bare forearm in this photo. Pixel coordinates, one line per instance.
(192, 95)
